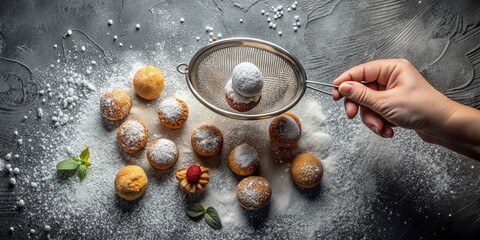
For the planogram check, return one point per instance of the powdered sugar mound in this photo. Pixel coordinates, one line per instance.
(171, 109)
(247, 79)
(163, 152)
(245, 156)
(207, 139)
(231, 93)
(314, 139)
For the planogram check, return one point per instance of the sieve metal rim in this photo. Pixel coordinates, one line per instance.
(290, 59)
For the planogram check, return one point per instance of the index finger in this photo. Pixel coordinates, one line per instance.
(381, 71)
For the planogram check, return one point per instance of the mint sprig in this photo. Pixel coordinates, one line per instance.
(197, 211)
(80, 164)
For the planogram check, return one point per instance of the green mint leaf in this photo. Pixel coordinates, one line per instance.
(212, 218)
(85, 155)
(82, 171)
(66, 173)
(77, 159)
(88, 164)
(195, 210)
(67, 165)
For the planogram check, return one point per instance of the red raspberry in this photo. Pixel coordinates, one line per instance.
(193, 173)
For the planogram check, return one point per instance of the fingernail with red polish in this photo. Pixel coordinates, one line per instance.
(346, 89)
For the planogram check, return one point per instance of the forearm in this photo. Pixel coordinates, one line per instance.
(461, 132)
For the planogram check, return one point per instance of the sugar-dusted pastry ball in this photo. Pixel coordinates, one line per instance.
(207, 140)
(115, 104)
(132, 136)
(173, 112)
(148, 82)
(162, 154)
(306, 170)
(131, 182)
(254, 192)
(244, 160)
(285, 130)
(247, 79)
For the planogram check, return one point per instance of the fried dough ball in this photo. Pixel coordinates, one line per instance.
(131, 182)
(254, 192)
(285, 130)
(306, 170)
(115, 104)
(207, 140)
(148, 82)
(132, 136)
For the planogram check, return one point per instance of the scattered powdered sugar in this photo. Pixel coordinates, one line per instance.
(245, 156)
(359, 167)
(247, 80)
(231, 93)
(171, 109)
(164, 151)
(207, 139)
(132, 133)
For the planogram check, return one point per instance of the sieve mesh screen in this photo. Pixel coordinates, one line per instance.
(283, 78)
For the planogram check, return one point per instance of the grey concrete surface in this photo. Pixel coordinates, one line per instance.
(412, 189)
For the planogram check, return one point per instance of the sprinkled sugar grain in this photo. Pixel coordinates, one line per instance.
(13, 181)
(21, 203)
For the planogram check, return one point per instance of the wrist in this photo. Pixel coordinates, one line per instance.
(441, 112)
(459, 130)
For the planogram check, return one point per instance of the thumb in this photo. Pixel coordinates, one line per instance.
(360, 94)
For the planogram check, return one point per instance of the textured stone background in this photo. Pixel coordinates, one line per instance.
(440, 37)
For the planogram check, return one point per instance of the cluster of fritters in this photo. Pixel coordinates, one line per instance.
(253, 192)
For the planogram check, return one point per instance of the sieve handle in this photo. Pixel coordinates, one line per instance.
(323, 84)
(182, 68)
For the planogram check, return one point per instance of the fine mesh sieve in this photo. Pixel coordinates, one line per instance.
(211, 67)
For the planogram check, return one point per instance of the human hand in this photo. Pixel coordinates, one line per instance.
(393, 94)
